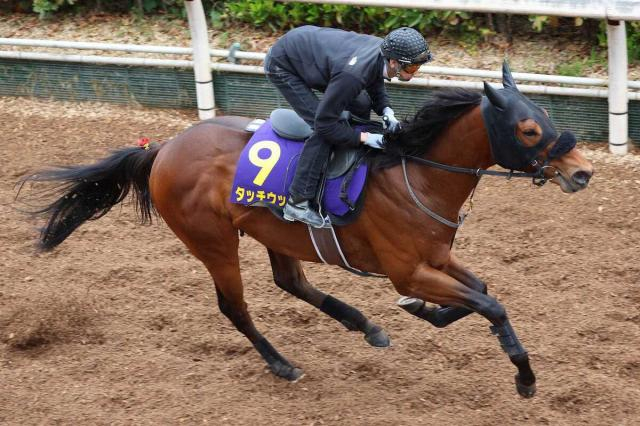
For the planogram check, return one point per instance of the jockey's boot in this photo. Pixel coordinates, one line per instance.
(302, 211)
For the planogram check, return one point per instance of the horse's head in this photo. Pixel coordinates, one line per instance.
(523, 137)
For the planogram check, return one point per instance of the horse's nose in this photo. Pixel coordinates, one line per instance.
(581, 178)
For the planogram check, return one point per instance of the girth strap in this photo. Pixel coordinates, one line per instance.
(326, 244)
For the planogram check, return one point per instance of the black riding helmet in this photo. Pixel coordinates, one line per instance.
(406, 46)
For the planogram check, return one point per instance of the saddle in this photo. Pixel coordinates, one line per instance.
(266, 167)
(274, 148)
(289, 125)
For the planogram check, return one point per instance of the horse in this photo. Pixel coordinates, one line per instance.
(416, 188)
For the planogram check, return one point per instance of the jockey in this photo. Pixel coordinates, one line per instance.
(350, 70)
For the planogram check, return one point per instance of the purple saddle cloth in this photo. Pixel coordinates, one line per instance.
(266, 168)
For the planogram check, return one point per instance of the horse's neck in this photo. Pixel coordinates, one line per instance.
(464, 143)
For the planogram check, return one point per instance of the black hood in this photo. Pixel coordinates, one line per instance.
(502, 110)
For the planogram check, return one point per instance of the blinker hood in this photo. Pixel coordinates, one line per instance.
(502, 110)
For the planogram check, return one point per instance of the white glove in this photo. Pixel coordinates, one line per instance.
(375, 140)
(389, 117)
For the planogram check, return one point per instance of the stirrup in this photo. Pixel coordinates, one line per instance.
(305, 214)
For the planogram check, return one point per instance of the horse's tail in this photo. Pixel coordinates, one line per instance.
(89, 192)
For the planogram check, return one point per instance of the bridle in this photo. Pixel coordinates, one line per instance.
(538, 178)
(564, 144)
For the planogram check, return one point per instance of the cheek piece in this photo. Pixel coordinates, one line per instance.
(566, 142)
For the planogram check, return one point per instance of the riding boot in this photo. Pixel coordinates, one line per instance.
(302, 211)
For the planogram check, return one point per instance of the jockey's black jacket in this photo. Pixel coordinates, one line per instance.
(339, 63)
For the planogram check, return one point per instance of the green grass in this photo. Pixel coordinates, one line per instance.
(579, 67)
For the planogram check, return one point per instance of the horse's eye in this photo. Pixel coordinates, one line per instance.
(530, 133)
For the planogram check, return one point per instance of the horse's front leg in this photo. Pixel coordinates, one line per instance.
(435, 286)
(442, 316)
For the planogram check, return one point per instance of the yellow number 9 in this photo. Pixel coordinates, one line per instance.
(265, 164)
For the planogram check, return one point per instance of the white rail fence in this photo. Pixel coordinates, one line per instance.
(616, 12)
(616, 88)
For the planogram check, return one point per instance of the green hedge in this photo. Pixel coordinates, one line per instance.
(278, 16)
(281, 16)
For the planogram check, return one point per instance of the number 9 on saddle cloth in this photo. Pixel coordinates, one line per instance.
(267, 165)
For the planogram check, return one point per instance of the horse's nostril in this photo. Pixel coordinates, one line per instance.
(581, 178)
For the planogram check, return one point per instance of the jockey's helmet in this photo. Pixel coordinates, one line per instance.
(406, 46)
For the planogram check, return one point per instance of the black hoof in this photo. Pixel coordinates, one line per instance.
(378, 338)
(287, 372)
(525, 391)
(410, 304)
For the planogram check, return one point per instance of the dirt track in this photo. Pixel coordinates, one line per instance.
(120, 325)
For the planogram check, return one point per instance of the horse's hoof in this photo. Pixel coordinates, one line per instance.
(410, 304)
(296, 374)
(287, 372)
(378, 339)
(525, 391)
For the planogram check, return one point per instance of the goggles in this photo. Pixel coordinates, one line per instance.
(410, 68)
(414, 66)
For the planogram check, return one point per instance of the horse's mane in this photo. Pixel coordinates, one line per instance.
(418, 134)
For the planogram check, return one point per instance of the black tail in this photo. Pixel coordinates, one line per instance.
(89, 192)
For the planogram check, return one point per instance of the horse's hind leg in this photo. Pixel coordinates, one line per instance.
(288, 275)
(219, 252)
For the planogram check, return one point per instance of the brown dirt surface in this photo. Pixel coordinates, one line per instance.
(119, 325)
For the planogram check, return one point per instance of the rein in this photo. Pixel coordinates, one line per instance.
(538, 174)
(537, 177)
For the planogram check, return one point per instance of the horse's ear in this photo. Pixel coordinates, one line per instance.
(495, 97)
(507, 78)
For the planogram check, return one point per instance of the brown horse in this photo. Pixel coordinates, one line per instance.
(405, 230)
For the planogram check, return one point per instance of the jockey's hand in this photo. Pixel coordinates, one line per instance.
(389, 117)
(374, 140)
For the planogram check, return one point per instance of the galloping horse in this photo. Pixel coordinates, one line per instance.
(415, 192)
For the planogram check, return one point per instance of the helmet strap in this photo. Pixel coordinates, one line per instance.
(389, 70)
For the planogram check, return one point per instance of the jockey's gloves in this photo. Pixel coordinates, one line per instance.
(389, 117)
(375, 140)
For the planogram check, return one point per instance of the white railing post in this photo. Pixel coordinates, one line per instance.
(618, 97)
(201, 59)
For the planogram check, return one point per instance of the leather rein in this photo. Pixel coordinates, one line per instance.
(537, 177)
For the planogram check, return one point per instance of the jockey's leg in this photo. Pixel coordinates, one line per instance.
(315, 152)
(306, 180)
(361, 106)
(288, 275)
(296, 92)
(313, 158)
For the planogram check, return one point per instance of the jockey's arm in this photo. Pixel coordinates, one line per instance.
(379, 97)
(342, 89)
